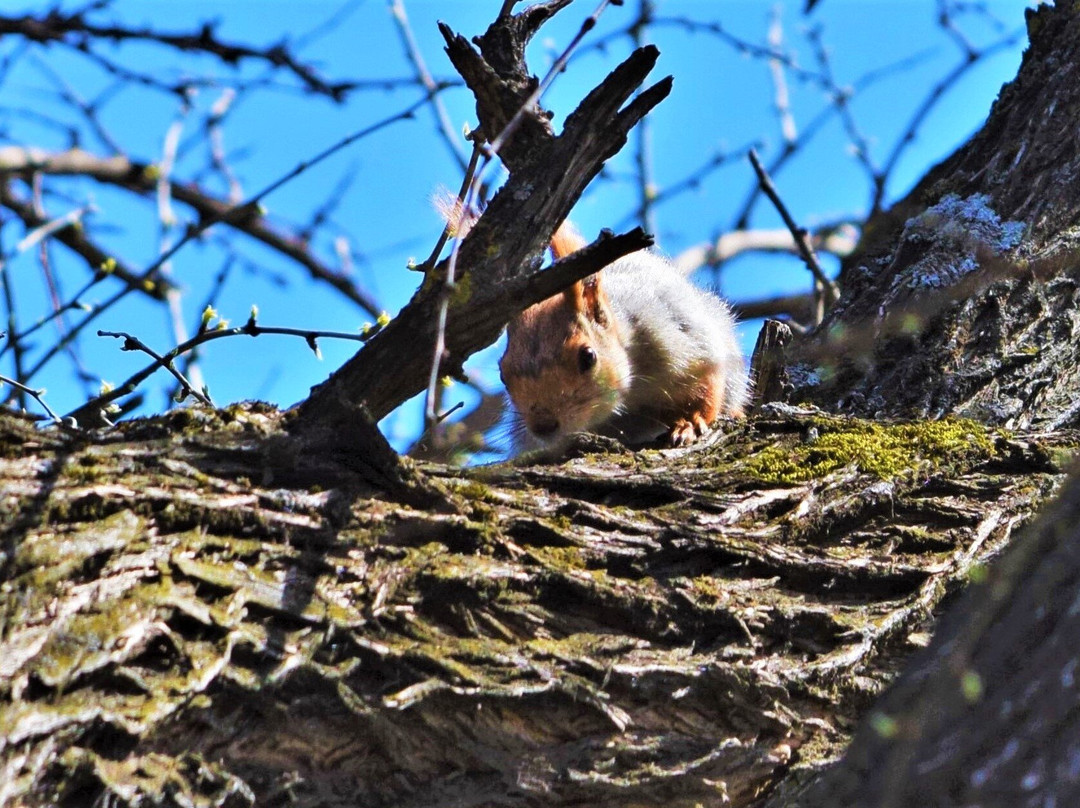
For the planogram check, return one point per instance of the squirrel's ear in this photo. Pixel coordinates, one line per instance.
(458, 218)
(566, 240)
(587, 297)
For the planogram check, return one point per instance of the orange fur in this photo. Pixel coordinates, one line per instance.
(542, 372)
(566, 240)
(459, 220)
(634, 351)
(651, 356)
(701, 408)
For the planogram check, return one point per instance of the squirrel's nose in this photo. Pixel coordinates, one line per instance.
(544, 425)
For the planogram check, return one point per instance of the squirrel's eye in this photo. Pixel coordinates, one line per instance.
(586, 359)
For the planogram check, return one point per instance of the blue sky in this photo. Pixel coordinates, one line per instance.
(722, 101)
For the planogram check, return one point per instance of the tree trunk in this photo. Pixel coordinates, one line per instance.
(183, 622)
(963, 298)
(210, 608)
(987, 715)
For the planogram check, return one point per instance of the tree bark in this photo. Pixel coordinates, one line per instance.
(963, 298)
(987, 714)
(192, 612)
(214, 608)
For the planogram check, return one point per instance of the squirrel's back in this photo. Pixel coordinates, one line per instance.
(682, 346)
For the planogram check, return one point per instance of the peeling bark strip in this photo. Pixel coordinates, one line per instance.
(195, 612)
(964, 299)
(502, 251)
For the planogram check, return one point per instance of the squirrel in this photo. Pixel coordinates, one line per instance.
(634, 351)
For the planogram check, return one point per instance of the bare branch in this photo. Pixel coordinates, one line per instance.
(77, 31)
(799, 234)
(933, 97)
(37, 395)
(835, 239)
(782, 100)
(215, 139)
(74, 302)
(76, 240)
(245, 216)
(693, 179)
(50, 227)
(132, 343)
(8, 289)
(646, 187)
(424, 78)
(93, 412)
(841, 96)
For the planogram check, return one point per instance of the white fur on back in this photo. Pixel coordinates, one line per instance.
(695, 328)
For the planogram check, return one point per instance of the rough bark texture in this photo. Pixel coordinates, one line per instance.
(988, 714)
(182, 623)
(203, 609)
(964, 298)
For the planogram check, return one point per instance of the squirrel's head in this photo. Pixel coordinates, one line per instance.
(565, 366)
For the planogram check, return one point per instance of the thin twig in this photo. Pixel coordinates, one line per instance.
(166, 225)
(817, 124)
(333, 200)
(38, 396)
(432, 400)
(76, 240)
(250, 328)
(132, 343)
(63, 342)
(13, 342)
(455, 227)
(233, 212)
(741, 46)
(251, 205)
(423, 75)
(841, 98)
(646, 187)
(465, 195)
(43, 231)
(57, 27)
(74, 303)
(328, 26)
(782, 102)
(52, 281)
(907, 138)
(72, 97)
(692, 181)
(212, 297)
(801, 241)
(215, 141)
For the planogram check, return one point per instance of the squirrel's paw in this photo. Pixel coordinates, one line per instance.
(687, 430)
